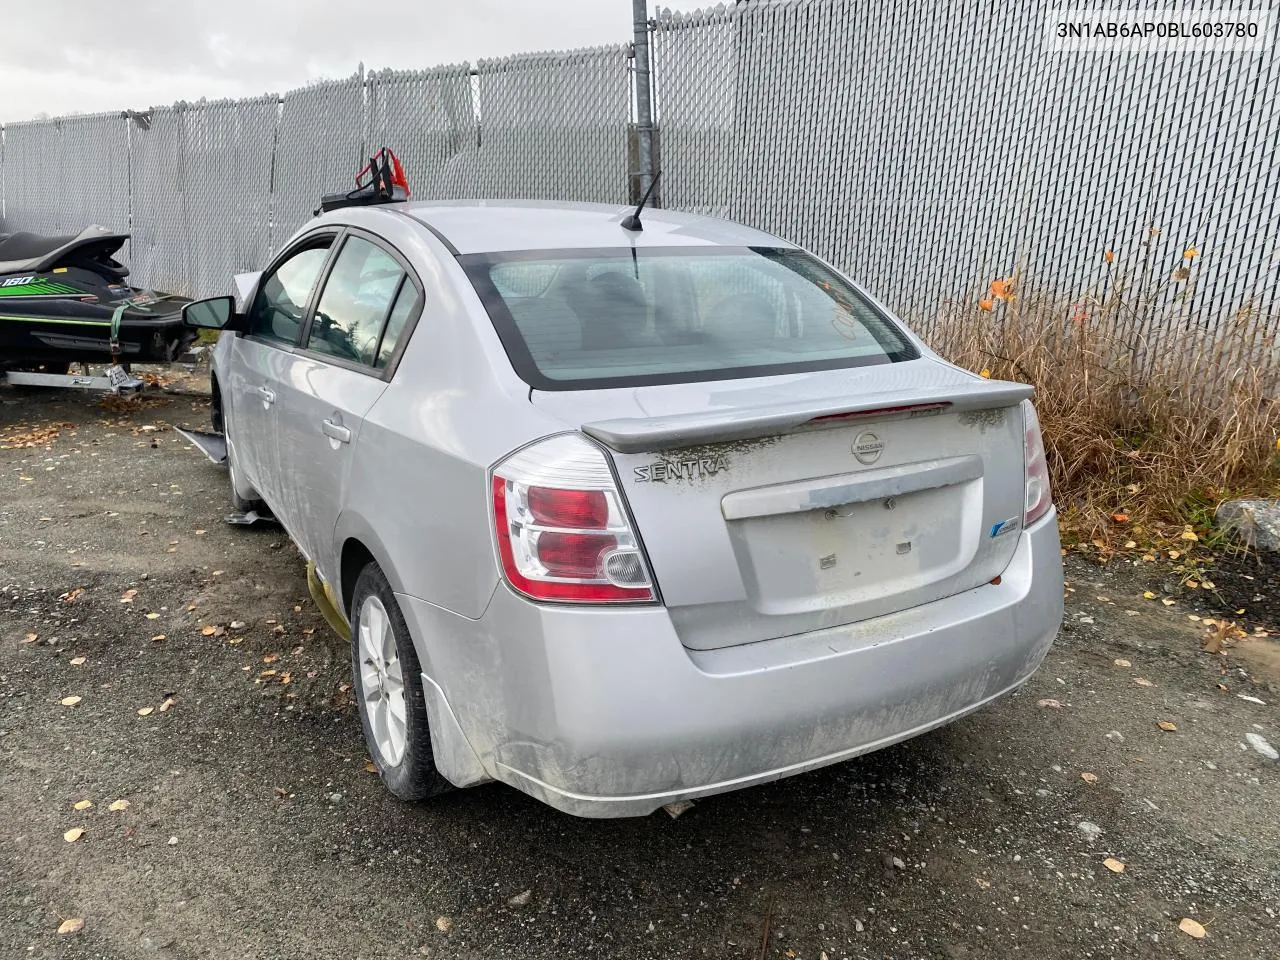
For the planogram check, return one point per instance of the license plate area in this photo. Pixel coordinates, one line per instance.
(887, 553)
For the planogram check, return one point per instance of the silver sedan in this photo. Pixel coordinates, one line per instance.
(622, 516)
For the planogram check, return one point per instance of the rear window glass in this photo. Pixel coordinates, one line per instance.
(581, 319)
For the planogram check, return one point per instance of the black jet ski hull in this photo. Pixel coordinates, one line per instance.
(29, 339)
(63, 305)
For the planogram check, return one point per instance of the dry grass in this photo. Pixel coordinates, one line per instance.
(1143, 431)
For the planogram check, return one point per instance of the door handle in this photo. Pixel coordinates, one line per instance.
(335, 431)
(268, 396)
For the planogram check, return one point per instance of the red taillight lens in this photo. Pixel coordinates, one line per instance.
(576, 555)
(572, 542)
(576, 509)
(1038, 498)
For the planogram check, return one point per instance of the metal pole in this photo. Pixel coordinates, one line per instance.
(644, 98)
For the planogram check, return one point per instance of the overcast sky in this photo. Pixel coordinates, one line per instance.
(85, 56)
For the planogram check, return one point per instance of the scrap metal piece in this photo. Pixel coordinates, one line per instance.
(212, 445)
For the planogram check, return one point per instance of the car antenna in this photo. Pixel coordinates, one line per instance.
(633, 222)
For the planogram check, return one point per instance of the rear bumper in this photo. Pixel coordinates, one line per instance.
(603, 713)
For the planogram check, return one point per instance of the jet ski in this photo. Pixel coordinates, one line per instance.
(64, 300)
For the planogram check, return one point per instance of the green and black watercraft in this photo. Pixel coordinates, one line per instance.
(64, 300)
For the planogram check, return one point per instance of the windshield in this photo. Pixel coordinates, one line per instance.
(581, 319)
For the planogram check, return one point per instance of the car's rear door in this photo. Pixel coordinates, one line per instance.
(262, 355)
(367, 303)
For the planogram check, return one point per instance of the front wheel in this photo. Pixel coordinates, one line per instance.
(388, 688)
(221, 425)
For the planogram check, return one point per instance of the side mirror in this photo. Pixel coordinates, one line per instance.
(215, 313)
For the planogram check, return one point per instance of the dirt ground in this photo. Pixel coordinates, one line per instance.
(253, 829)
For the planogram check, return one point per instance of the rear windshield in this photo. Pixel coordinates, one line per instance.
(583, 319)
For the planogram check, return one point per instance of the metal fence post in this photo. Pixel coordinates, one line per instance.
(644, 98)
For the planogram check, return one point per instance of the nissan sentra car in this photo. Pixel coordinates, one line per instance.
(623, 512)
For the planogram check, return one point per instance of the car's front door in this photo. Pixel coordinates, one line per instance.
(261, 357)
(366, 303)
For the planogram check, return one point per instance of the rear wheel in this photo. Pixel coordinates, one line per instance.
(388, 688)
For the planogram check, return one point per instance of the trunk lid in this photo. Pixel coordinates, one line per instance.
(780, 505)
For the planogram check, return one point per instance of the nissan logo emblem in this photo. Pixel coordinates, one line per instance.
(867, 447)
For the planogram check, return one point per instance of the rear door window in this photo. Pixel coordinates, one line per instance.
(407, 306)
(357, 299)
(585, 319)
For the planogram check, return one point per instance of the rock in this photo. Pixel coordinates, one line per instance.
(521, 899)
(1255, 523)
(857, 926)
(1116, 735)
(334, 797)
(677, 807)
(1259, 744)
(1090, 830)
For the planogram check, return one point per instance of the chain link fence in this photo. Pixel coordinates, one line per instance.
(932, 149)
(210, 189)
(925, 149)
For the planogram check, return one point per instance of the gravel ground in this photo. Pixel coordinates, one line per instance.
(253, 828)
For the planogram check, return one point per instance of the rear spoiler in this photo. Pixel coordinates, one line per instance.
(647, 434)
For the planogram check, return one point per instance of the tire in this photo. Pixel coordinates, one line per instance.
(401, 752)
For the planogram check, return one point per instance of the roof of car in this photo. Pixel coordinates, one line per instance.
(492, 226)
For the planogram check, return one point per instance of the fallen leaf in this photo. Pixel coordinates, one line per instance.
(31, 638)
(1122, 662)
(1148, 595)
(168, 704)
(986, 303)
(157, 638)
(71, 596)
(77, 661)
(1114, 865)
(521, 899)
(74, 834)
(199, 533)
(271, 658)
(1143, 682)
(1166, 726)
(209, 630)
(145, 711)
(69, 701)
(1050, 703)
(982, 882)
(153, 616)
(1120, 517)
(1167, 602)
(1190, 253)
(1191, 928)
(1089, 777)
(71, 925)
(1109, 256)
(444, 924)
(1189, 535)
(370, 767)
(128, 596)
(118, 805)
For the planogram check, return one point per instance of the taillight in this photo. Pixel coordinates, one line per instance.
(1037, 467)
(561, 530)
